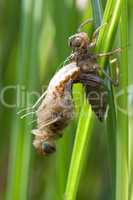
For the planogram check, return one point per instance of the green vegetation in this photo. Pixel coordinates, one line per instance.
(93, 159)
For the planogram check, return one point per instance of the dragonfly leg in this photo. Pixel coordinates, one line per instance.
(98, 55)
(94, 36)
(83, 24)
(115, 81)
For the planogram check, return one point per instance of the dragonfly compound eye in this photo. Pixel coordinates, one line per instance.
(75, 42)
(78, 41)
(48, 148)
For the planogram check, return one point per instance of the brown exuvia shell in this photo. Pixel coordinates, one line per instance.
(56, 109)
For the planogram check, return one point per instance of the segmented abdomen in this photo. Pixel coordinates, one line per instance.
(97, 97)
(57, 108)
(96, 93)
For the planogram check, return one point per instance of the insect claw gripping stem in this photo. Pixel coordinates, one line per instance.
(83, 24)
(98, 29)
(115, 61)
(115, 82)
(93, 41)
(118, 50)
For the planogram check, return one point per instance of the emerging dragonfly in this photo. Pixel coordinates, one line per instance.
(56, 106)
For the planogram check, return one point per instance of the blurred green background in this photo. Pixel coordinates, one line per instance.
(33, 44)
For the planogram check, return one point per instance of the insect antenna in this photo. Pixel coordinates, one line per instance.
(88, 21)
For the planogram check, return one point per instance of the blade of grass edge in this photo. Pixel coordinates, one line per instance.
(111, 16)
(130, 31)
(122, 118)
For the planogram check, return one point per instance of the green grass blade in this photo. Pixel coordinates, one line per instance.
(63, 31)
(16, 152)
(111, 16)
(130, 28)
(83, 135)
(111, 120)
(107, 34)
(97, 6)
(122, 117)
(26, 75)
(31, 85)
(81, 144)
